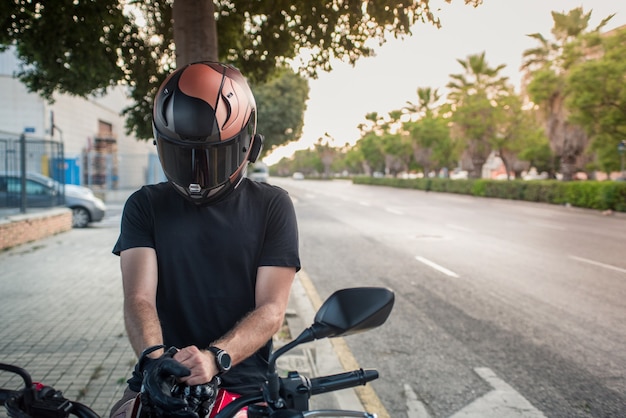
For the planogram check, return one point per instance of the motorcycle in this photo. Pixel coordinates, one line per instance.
(345, 312)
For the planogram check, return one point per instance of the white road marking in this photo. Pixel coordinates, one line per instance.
(394, 211)
(436, 266)
(428, 237)
(597, 263)
(414, 407)
(502, 402)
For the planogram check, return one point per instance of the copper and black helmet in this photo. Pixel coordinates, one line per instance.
(204, 122)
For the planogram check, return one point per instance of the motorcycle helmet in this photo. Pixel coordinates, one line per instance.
(204, 123)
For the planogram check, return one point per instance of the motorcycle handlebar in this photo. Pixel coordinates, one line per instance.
(340, 381)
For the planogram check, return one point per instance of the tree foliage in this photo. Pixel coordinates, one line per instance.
(549, 64)
(433, 148)
(65, 45)
(281, 103)
(520, 140)
(596, 97)
(429, 133)
(83, 46)
(475, 97)
(580, 72)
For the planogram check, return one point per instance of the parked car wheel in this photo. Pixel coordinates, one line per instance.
(80, 217)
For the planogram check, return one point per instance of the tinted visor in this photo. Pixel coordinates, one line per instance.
(200, 167)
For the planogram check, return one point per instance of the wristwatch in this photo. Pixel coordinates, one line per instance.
(222, 359)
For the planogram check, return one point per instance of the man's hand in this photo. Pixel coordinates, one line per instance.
(156, 391)
(200, 362)
(147, 360)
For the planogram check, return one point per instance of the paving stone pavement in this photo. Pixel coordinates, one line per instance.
(61, 316)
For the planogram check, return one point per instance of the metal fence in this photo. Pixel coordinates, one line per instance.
(34, 155)
(102, 169)
(20, 157)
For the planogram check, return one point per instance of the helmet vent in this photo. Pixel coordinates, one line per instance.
(164, 107)
(229, 108)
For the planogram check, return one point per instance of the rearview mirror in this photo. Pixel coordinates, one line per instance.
(353, 310)
(345, 312)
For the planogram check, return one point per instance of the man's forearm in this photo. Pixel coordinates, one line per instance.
(251, 333)
(142, 325)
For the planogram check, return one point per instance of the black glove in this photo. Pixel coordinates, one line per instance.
(144, 365)
(156, 391)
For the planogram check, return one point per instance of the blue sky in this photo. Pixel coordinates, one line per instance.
(339, 100)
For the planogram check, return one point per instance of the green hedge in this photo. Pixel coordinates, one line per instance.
(601, 195)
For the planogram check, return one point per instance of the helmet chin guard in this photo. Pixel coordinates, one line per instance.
(204, 122)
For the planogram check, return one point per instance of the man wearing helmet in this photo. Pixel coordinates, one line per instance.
(208, 257)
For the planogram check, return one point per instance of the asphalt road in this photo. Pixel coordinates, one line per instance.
(531, 293)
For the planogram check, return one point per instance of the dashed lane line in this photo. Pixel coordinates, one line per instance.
(394, 211)
(597, 263)
(437, 267)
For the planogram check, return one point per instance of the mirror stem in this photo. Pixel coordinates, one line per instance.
(273, 381)
(306, 336)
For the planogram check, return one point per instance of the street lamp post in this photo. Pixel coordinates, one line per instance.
(621, 148)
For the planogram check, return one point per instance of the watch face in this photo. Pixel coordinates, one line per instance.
(224, 361)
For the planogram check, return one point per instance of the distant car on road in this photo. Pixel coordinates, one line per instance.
(457, 173)
(42, 191)
(297, 176)
(259, 172)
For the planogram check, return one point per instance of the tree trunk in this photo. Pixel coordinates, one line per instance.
(366, 168)
(507, 165)
(195, 31)
(423, 156)
(477, 169)
(568, 167)
(573, 146)
(567, 141)
(479, 150)
(327, 160)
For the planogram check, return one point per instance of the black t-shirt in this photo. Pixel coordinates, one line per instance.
(208, 258)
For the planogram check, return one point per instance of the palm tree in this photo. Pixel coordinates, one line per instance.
(548, 65)
(426, 103)
(474, 96)
(429, 135)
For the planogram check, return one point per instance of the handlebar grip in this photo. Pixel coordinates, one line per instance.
(342, 381)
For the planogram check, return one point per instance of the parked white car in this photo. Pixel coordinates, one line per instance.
(42, 191)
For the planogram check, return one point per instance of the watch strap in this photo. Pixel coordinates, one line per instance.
(219, 356)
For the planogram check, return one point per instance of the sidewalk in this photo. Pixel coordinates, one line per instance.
(61, 310)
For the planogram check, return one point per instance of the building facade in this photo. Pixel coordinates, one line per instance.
(97, 151)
